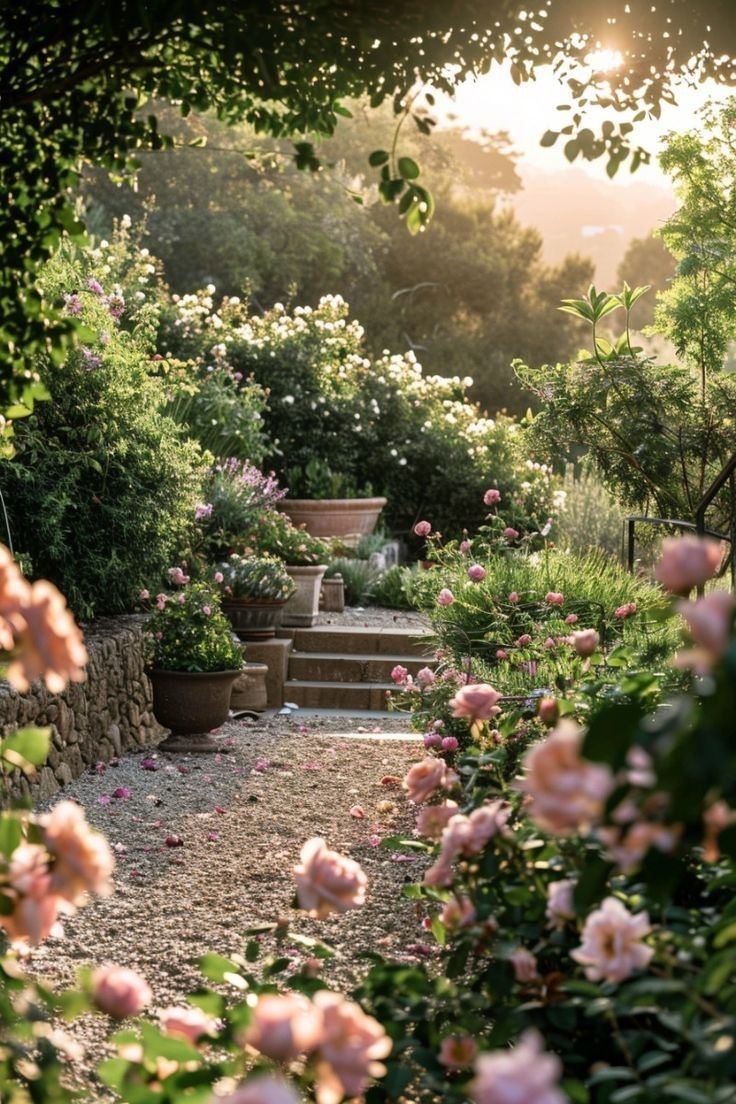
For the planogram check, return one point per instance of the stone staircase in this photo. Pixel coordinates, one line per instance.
(331, 667)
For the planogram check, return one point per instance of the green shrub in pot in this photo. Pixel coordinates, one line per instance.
(188, 631)
(257, 577)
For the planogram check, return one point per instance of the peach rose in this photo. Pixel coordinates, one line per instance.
(284, 1027)
(567, 792)
(687, 562)
(709, 620)
(189, 1024)
(458, 913)
(82, 860)
(119, 992)
(612, 947)
(50, 643)
(260, 1090)
(426, 777)
(522, 1075)
(349, 1052)
(457, 1051)
(328, 882)
(585, 642)
(716, 818)
(15, 593)
(477, 701)
(432, 819)
(467, 835)
(35, 907)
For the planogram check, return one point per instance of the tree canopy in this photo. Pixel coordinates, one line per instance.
(74, 82)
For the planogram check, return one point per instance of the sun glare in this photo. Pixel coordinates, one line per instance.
(604, 60)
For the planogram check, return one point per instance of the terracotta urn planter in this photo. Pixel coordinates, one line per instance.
(254, 618)
(191, 704)
(302, 608)
(346, 518)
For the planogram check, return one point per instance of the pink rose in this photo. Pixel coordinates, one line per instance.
(219, 577)
(425, 677)
(459, 912)
(585, 642)
(445, 597)
(549, 710)
(522, 1075)
(450, 743)
(423, 528)
(571, 619)
(177, 576)
(423, 779)
(349, 1051)
(709, 620)
(501, 654)
(627, 846)
(513, 597)
(399, 675)
(465, 546)
(625, 611)
(261, 1090)
(524, 964)
(467, 836)
(612, 947)
(560, 903)
(510, 534)
(457, 1051)
(82, 860)
(433, 819)
(476, 573)
(492, 497)
(35, 907)
(144, 595)
(687, 562)
(283, 1027)
(477, 701)
(189, 1024)
(567, 792)
(432, 739)
(119, 992)
(161, 600)
(328, 882)
(523, 640)
(554, 598)
(549, 643)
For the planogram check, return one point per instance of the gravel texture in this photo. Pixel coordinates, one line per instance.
(242, 816)
(356, 616)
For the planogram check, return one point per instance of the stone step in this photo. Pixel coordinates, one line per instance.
(329, 667)
(360, 640)
(324, 694)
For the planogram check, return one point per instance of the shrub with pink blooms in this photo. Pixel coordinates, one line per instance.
(187, 631)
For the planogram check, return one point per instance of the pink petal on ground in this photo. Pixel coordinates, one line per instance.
(122, 793)
(219, 809)
(104, 799)
(403, 858)
(358, 812)
(374, 840)
(213, 837)
(390, 780)
(183, 770)
(261, 765)
(149, 764)
(174, 841)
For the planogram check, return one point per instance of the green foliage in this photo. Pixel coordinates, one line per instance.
(102, 489)
(191, 633)
(588, 517)
(358, 577)
(254, 577)
(238, 500)
(222, 413)
(275, 535)
(649, 261)
(396, 588)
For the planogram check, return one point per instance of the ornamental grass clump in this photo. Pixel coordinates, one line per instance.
(257, 577)
(188, 631)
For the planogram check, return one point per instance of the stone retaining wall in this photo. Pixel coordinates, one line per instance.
(95, 720)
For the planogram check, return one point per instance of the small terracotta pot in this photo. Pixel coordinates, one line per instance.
(191, 704)
(346, 518)
(254, 618)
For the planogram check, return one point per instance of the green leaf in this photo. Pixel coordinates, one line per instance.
(378, 158)
(216, 967)
(408, 168)
(549, 138)
(26, 749)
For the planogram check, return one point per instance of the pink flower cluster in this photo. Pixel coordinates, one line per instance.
(345, 1044)
(38, 630)
(467, 835)
(476, 702)
(426, 777)
(53, 876)
(327, 881)
(567, 793)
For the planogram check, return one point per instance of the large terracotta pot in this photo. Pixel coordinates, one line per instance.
(191, 704)
(346, 518)
(302, 608)
(254, 618)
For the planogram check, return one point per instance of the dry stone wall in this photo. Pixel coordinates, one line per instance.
(91, 721)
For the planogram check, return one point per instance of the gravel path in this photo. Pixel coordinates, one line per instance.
(242, 817)
(356, 616)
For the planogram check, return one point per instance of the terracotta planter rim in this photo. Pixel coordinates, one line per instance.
(308, 569)
(332, 503)
(191, 674)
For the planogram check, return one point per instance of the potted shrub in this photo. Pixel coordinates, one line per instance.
(192, 662)
(333, 504)
(305, 558)
(254, 591)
